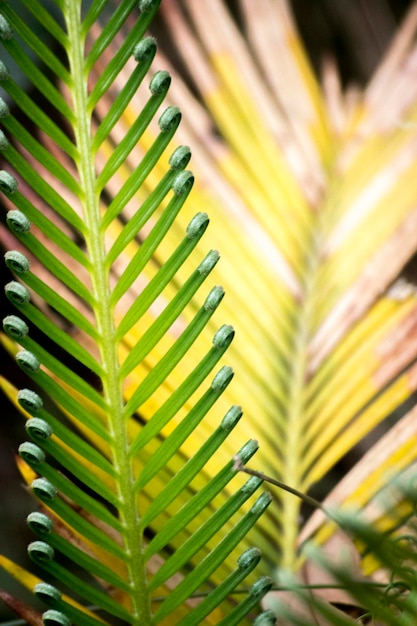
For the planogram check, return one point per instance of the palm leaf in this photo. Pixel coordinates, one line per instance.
(337, 357)
(311, 194)
(319, 192)
(119, 497)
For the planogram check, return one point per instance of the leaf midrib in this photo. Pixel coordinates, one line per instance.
(112, 387)
(294, 445)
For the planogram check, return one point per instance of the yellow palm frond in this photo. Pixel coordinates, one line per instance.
(313, 200)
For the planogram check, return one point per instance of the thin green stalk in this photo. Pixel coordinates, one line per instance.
(112, 388)
(238, 465)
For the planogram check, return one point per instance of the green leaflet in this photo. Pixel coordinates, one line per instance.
(119, 480)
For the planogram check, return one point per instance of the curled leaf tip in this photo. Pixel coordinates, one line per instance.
(267, 618)
(46, 592)
(183, 183)
(261, 586)
(249, 558)
(146, 6)
(4, 142)
(17, 293)
(31, 453)
(4, 109)
(44, 489)
(30, 401)
(41, 552)
(4, 72)
(17, 221)
(224, 336)
(209, 262)
(55, 618)
(160, 83)
(15, 327)
(231, 418)
(180, 158)
(27, 361)
(145, 50)
(8, 183)
(262, 503)
(6, 31)
(222, 378)
(214, 298)
(39, 523)
(169, 119)
(38, 428)
(16, 261)
(244, 454)
(197, 225)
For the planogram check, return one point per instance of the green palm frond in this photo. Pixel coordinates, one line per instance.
(120, 499)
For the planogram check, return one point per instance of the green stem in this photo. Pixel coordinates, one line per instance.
(238, 465)
(112, 388)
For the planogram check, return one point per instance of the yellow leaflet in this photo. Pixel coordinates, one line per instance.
(257, 140)
(343, 267)
(380, 408)
(375, 153)
(276, 214)
(400, 458)
(363, 337)
(24, 577)
(319, 127)
(327, 434)
(29, 581)
(258, 179)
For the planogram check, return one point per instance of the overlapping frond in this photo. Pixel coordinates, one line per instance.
(318, 189)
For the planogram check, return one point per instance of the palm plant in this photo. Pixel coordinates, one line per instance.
(311, 196)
